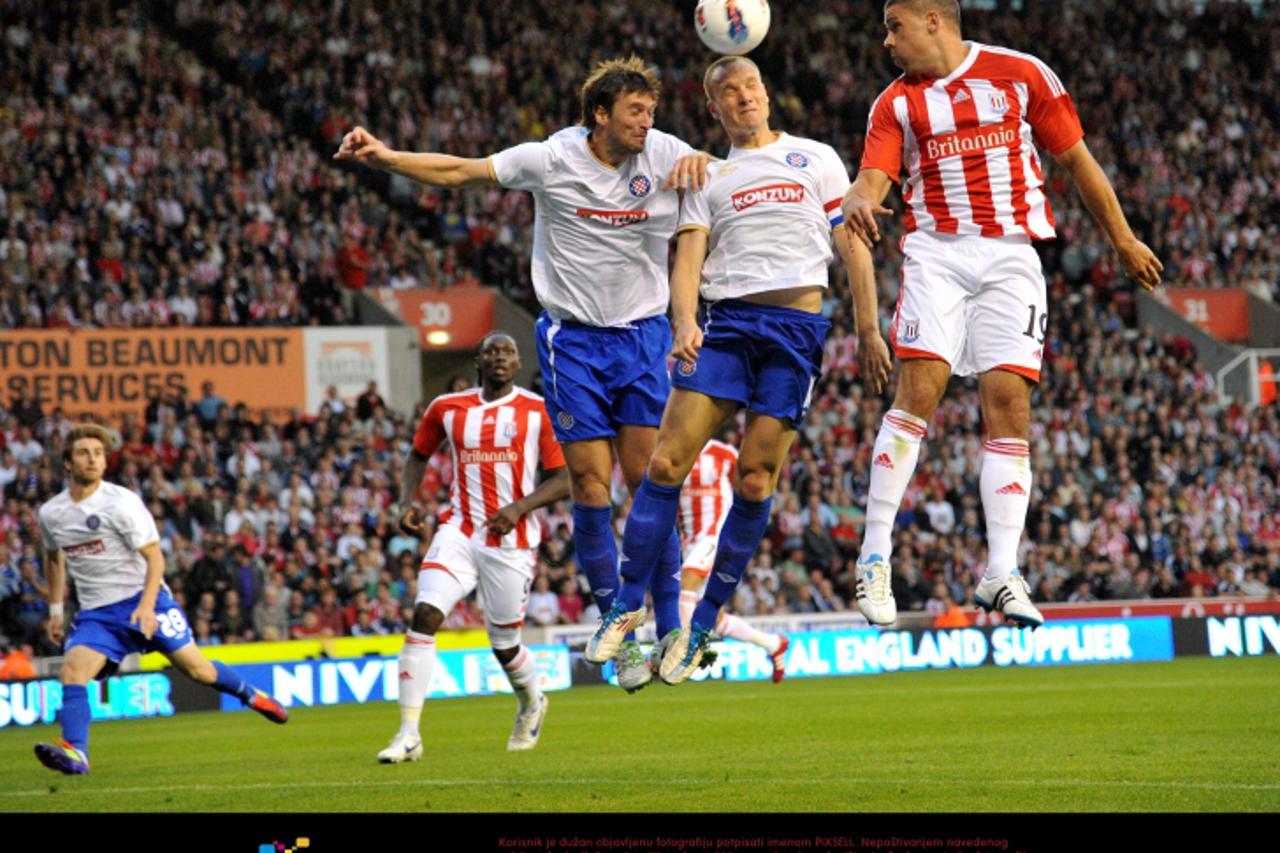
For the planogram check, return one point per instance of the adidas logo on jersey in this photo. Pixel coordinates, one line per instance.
(884, 461)
(960, 97)
(1011, 489)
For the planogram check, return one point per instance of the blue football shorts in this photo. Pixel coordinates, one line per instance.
(596, 378)
(108, 630)
(764, 357)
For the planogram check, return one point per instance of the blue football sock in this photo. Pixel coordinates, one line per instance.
(650, 525)
(596, 551)
(739, 538)
(230, 681)
(665, 586)
(75, 716)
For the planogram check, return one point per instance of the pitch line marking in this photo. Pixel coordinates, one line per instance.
(859, 781)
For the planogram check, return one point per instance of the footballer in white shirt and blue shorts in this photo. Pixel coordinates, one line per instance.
(105, 537)
(604, 215)
(755, 245)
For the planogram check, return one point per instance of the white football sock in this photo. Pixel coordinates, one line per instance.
(740, 629)
(688, 601)
(1005, 483)
(893, 461)
(417, 662)
(522, 672)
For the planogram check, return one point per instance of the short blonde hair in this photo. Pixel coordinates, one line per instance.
(715, 67)
(87, 430)
(614, 77)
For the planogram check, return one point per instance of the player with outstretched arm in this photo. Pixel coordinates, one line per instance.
(603, 218)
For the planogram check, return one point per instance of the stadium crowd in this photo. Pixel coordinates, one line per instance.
(158, 178)
(169, 163)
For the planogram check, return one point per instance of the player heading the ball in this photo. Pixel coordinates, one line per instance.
(755, 245)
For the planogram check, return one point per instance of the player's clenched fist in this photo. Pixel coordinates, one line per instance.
(686, 341)
(361, 145)
(411, 522)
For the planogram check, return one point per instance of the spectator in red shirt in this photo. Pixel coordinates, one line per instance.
(330, 613)
(310, 629)
(353, 263)
(353, 268)
(570, 602)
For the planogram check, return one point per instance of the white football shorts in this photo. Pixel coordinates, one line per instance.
(456, 564)
(977, 303)
(700, 555)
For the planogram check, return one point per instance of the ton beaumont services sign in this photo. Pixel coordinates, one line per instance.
(110, 372)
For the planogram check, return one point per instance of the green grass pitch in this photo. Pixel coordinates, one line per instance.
(1189, 735)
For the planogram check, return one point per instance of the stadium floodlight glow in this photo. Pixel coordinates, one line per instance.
(439, 337)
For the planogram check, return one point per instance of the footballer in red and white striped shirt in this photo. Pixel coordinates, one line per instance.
(706, 496)
(959, 130)
(496, 447)
(499, 435)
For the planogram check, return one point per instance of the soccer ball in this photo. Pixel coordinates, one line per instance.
(732, 26)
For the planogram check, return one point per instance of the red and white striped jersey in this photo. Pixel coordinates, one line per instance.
(496, 447)
(967, 143)
(707, 493)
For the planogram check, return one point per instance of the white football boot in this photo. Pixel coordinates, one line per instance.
(613, 630)
(1011, 597)
(874, 591)
(633, 670)
(403, 747)
(528, 726)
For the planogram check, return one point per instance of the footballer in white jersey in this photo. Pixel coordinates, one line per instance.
(756, 243)
(600, 231)
(104, 535)
(605, 211)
